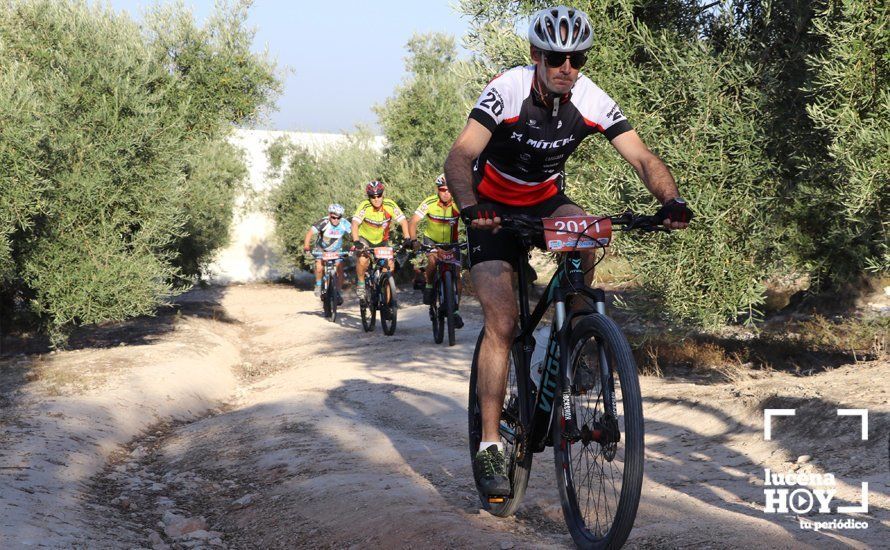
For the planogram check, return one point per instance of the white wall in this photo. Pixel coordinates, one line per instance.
(251, 256)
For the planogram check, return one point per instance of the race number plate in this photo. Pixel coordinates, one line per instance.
(330, 256)
(568, 233)
(383, 252)
(445, 255)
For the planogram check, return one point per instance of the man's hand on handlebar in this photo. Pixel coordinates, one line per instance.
(675, 214)
(481, 216)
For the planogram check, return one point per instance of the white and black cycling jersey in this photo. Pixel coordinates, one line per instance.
(530, 142)
(329, 237)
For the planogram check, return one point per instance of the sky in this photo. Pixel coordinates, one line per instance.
(344, 56)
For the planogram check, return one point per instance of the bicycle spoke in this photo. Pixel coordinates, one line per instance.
(596, 462)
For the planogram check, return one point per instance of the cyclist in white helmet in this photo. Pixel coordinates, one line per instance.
(509, 158)
(328, 234)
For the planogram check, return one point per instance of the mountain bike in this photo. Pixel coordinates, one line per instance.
(330, 294)
(445, 298)
(587, 402)
(380, 289)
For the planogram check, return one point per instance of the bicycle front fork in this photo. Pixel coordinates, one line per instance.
(558, 346)
(560, 332)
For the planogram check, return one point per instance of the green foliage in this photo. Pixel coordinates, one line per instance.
(422, 119)
(851, 107)
(218, 79)
(22, 182)
(216, 175)
(115, 180)
(311, 182)
(698, 112)
(784, 160)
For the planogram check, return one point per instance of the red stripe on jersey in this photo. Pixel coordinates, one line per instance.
(499, 189)
(594, 125)
(511, 120)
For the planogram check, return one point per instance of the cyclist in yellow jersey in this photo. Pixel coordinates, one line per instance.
(371, 225)
(442, 216)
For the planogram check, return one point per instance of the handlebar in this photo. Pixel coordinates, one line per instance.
(532, 226)
(446, 246)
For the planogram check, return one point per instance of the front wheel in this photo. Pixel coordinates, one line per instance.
(368, 309)
(329, 298)
(512, 435)
(599, 460)
(326, 297)
(389, 307)
(333, 295)
(436, 309)
(450, 291)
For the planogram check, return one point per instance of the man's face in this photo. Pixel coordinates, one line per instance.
(559, 79)
(335, 219)
(444, 195)
(376, 201)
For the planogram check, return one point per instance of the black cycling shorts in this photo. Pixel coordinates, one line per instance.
(485, 246)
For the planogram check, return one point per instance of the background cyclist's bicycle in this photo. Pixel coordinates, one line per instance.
(446, 297)
(330, 293)
(380, 289)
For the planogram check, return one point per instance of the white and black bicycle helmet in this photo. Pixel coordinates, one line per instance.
(544, 30)
(335, 209)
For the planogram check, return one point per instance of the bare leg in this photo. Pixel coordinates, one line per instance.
(361, 266)
(318, 271)
(494, 286)
(430, 268)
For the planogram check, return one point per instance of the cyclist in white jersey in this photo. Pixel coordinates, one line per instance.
(328, 234)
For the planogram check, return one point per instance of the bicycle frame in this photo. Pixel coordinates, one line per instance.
(376, 267)
(442, 265)
(536, 415)
(330, 269)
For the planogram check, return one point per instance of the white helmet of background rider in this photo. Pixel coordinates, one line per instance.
(335, 209)
(544, 30)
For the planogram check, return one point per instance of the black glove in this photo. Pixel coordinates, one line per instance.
(359, 246)
(675, 210)
(479, 211)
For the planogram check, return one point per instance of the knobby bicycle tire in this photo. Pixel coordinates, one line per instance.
(325, 297)
(436, 310)
(389, 306)
(332, 295)
(577, 464)
(519, 459)
(369, 312)
(448, 285)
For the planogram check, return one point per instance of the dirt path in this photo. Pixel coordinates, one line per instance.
(337, 438)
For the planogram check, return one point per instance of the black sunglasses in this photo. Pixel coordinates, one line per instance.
(556, 59)
(335, 217)
(375, 196)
